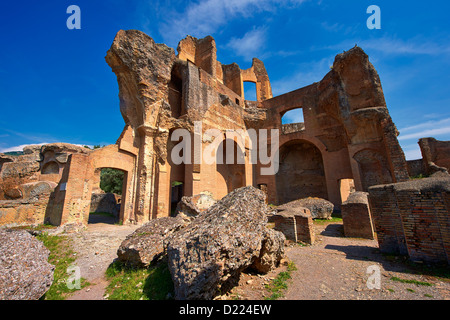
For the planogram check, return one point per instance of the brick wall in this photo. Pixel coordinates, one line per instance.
(435, 151)
(356, 216)
(413, 218)
(415, 167)
(296, 227)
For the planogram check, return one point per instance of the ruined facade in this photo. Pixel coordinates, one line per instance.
(347, 138)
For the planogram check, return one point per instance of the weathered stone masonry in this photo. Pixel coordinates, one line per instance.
(347, 134)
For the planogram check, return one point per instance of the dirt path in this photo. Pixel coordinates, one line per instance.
(96, 249)
(333, 268)
(336, 267)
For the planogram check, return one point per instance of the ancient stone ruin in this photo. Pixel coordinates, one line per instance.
(347, 142)
(347, 138)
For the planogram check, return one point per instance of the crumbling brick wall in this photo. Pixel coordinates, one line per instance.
(295, 226)
(435, 151)
(412, 218)
(356, 216)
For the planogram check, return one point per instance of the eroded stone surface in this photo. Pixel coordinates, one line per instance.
(212, 251)
(25, 273)
(148, 242)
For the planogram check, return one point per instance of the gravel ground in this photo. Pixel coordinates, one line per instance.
(341, 268)
(96, 249)
(334, 268)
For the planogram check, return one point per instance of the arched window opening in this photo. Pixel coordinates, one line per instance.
(293, 116)
(250, 91)
(106, 200)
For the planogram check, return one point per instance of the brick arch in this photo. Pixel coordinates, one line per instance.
(73, 198)
(112, 157)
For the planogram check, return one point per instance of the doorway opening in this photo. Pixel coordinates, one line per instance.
(106, 196)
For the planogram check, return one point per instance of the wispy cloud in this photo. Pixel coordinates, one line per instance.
(426, 129)
(395, 46)
(205, 17)
(337, 28)
(30, 137)
(250, 45)
(305, 74)
(20, 147)
(293, 116)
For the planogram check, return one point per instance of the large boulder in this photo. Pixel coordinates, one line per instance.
(147, 243)
(319, 208)
(25, 273)
(210, 253)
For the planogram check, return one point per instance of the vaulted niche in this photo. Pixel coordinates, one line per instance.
(50, 168)
(301, 173)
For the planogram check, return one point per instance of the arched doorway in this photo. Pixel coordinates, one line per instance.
(301, 172)
(106, 197)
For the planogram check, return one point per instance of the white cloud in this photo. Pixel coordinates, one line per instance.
(396, 46)
(206, 16)
(250, 45)
(306, 74)
(426, 129)
(20, 148)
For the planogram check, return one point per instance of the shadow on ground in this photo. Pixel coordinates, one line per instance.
(102, 218)
(333, 230)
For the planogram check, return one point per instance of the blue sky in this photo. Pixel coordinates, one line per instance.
(56, 86)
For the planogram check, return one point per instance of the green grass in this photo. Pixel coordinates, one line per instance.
(125, 283)
(278, 285)
(61, 256)
(39, 227)
(325, 221)
(419, 283)
(420, 176)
